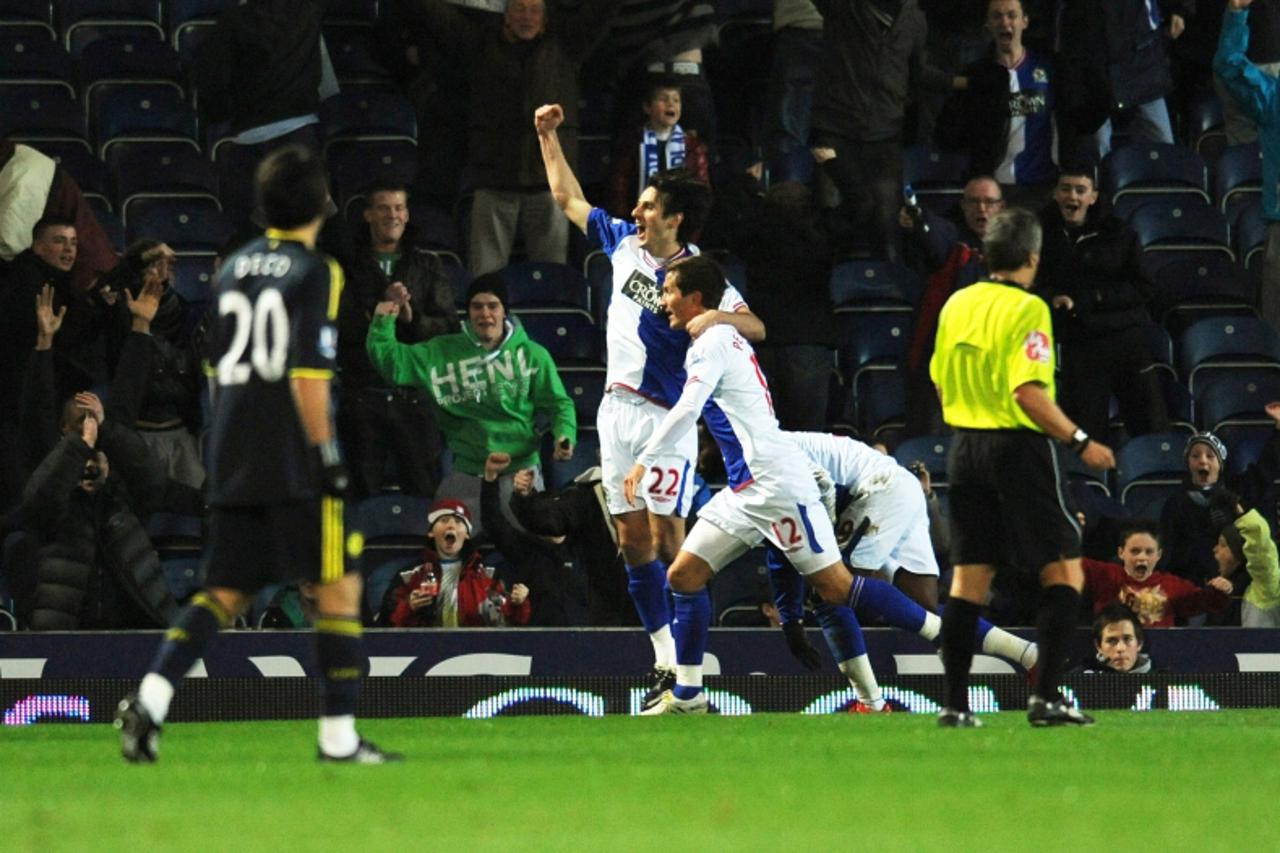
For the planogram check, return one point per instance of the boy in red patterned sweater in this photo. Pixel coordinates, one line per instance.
(453, 588)
(1158, 598)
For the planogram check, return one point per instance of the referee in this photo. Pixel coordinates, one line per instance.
(993, 367)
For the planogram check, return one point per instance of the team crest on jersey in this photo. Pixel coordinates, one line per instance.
(328, 345)
(1036, 346)
(1039, 75)
(643, 291)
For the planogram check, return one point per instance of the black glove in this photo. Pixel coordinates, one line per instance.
(799, 646)
(1222, 508)
(334, 479)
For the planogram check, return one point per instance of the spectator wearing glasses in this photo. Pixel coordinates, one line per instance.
(948, 250)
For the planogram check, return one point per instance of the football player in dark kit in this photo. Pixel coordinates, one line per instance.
(276, 480)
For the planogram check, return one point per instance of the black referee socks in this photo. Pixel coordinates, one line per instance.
(959, 636)
(1055, 624)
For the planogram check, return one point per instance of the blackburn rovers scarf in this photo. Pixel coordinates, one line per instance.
(651, 149)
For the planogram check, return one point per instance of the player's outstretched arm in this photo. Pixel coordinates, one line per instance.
(743, 320)
(1044, 412)
(560, 177)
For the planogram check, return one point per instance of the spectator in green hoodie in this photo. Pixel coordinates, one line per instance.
(489, 382)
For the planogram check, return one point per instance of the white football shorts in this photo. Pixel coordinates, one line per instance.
(625, 422)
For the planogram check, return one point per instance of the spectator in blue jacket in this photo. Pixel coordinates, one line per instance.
(1255, 92)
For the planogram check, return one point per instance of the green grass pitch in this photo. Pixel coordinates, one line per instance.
(1137, 781)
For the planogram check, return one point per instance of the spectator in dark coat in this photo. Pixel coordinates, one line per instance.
(873, 64)
(376, 420)
(1113, 65)
(1091, 274)
(527, 58)
(86, 502)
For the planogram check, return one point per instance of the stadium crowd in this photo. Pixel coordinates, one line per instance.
(471, 330)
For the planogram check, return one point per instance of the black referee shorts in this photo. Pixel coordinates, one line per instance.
(250, 547)
(1008, 501)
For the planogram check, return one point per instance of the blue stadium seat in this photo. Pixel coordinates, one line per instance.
(1250, 235)
(145, 168)
(1167, 225)
(1237, 174)
(77, 159)
(175, 534)
(26, 53)
(568, 334)
(140, 111)
(1221, 344)
(381, 569)
(874, 283)
(544, 284)
(586, 454)
(85, 33)
(38, 110)
(193, 277)
(1156, 169)
(186, 224)
(184, 576)
(935, 174)
(1237, 397)
(1206, 126)
(931, 450)
(354, 163)
(369, 114)
(586, 386)
(880, 403)
(871, 339)
(127, 60)
(1149, 460)
(392, 520)
(187, 37)
(1191, 288)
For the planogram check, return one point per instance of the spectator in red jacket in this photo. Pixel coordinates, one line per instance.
(1158, 598)
(453, 588)
(660, 143)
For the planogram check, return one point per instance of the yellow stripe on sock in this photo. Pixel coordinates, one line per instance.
(331, 540)
(208, 602)
(347, 627)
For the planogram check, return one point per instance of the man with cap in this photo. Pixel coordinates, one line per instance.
(489, 381)
(452, 587)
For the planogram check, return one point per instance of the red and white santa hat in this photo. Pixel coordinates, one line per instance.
(447, 507)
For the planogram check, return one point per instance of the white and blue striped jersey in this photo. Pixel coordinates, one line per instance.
(1032, 150)
(725, 377)
(646, 356)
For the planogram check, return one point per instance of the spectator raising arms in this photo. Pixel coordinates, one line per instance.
(453, 587)
(489, 382)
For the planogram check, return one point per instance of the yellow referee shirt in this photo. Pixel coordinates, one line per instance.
(992, 337)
